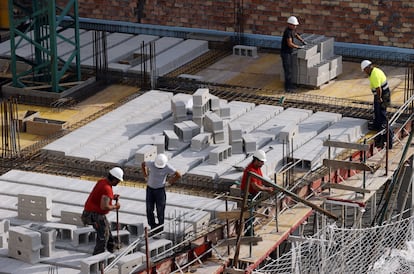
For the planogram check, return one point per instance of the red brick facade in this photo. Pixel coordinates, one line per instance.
(381, 22)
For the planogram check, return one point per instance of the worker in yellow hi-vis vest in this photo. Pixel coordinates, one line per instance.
(382, 96)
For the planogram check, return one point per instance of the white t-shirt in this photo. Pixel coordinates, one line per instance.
(157, 176)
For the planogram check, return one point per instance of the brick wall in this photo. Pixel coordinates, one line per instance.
(381, 22)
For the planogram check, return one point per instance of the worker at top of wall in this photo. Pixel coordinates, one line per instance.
(255, 186)
(382, 96)
(158, 173)
(98, 204)
(288, 45)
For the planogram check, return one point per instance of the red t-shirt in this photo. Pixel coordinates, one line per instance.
(93, 203)
(253, 180)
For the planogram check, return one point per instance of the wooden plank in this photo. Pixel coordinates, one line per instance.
(339, 164)
(235, 214)
(231, 215)
(234, 271)
(361, 147)
(347, 187)
(244, 240)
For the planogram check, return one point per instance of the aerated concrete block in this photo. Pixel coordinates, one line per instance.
(34, 214)
(48, 239)
(157, 247)
(72, 218)
(91, 265)
(237, 147)
(34, 201)
(25, 238)
(219, 137)
(219, 154)
(319, 69)
(243, 50)
(129, 262)
(201, 97)
(213, 122)
(250, 144)
(288, 132)
(171, 140)
(235, 132)
(307, 52)
(64, 231)
(24, 254)
(84, 235)
(201, 141)
(146, 153)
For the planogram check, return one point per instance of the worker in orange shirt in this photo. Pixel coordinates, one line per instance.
(256, 185)
(98, 204)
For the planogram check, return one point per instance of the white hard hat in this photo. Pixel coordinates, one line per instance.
(293, 20)
(161, 160)
(118, 173)
(365, 64)
(260, 155)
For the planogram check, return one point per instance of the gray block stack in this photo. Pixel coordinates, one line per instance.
(24, 244)
(35, 208)
(316, 64)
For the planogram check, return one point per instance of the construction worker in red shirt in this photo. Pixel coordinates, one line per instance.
(98, 204)
(256, 185)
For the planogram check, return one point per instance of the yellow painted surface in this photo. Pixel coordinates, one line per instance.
(264, 72)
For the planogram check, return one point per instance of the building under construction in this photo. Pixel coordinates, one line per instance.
(91, 85)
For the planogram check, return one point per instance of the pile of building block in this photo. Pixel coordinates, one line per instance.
(315, 64)
(28, 244)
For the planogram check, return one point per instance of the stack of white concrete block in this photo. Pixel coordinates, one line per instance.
(35, 208)
(201, 105)
(186, 130)
(236, 138)
(179, 108)
(213, 123)
(220, 107)
(316, 64)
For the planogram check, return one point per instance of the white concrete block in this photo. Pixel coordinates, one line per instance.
(243, 50)
(24, 254)
(91, 265)
(201, 96)
(84, 235)
(288, 132)
(146, 153)
(34, 201)
(25, 238)
(72, 218)
(129, 262)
